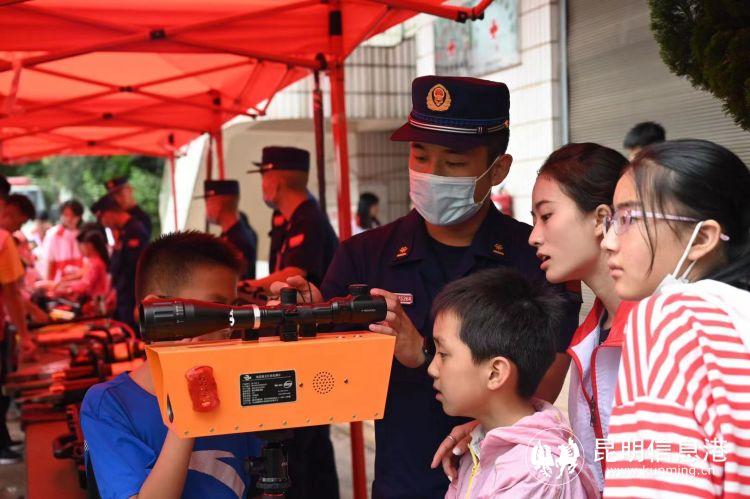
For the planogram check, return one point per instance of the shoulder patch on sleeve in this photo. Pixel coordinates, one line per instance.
(295, 241)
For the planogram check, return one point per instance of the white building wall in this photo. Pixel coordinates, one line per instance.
(378, 101)
(534, 94)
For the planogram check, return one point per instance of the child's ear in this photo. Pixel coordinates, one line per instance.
(153, 297)
(499, 373)
(602, 212)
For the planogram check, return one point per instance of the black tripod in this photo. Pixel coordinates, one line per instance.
(271, 466)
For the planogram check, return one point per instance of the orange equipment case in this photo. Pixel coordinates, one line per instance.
(271, 384)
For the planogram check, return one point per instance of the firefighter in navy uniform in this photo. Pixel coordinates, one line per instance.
(458, 132)
(305, 243)
(222, 208)
(131, 239)
(122, 192)
(301, 230)
(276, 237)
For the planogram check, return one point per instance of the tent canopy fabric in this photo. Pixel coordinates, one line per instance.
(148, 76)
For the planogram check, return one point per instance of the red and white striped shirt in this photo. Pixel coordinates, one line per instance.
(680, 424)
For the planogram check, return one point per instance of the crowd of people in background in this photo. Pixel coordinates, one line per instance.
(484, 309)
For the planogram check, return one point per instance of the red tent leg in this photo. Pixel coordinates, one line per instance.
(172, 180)
(318, 121)
(359, 476)
(341, 147)
(219, 137)
(338, 121)
(210, 158)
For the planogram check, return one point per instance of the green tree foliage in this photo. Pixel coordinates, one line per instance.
(708, 41)
(83, 178)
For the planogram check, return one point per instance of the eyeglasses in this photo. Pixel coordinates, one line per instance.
(622, 218)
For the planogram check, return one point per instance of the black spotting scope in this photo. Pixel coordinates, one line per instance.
(176, 318)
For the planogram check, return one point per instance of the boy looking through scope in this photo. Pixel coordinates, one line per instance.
(132, 452)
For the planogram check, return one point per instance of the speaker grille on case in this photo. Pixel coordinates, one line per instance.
(323, 382)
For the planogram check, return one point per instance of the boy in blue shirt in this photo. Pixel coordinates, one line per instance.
(132, 452)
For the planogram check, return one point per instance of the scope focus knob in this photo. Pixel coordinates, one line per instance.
(359, 290)
(288, 296)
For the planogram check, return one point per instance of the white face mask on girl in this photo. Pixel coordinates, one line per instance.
(672, 278)
(445, 200)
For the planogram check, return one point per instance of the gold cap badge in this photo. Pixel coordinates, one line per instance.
(438, 98)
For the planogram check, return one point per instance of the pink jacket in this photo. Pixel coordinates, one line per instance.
(524, 460)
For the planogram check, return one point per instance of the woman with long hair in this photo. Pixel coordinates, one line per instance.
(367, 213)
(571, 201)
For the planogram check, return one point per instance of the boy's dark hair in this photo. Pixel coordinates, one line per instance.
(74, 206)
(503, 314)
(644, 134)
(24, 205)
(167, 262)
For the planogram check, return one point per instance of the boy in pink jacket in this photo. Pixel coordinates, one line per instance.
(494, 335)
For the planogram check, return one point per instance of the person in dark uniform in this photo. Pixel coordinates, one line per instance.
(458, 132)
(222, 208)
(306, 244)
(304, 236)
(130, 240)
(277, 233)
(276, 237)
(122, 192)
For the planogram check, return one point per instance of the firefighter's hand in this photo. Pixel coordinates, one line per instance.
(452, 448)
(307, 291)
(409, 342)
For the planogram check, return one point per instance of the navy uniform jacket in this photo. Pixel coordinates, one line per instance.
(140, 215)
(399, 257)
(276, 236)
(244, 238)
(133, 239)
(309, 242)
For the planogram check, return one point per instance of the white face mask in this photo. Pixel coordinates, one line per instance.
(444, 200)
(672, 278)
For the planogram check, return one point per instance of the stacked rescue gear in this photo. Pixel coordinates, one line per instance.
(73, 357)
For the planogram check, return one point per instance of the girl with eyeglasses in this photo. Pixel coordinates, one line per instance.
(679, 240)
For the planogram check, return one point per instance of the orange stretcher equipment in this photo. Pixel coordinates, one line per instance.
(272, 384)
(295, 378)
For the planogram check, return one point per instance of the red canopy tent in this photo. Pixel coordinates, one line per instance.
(148, 76)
